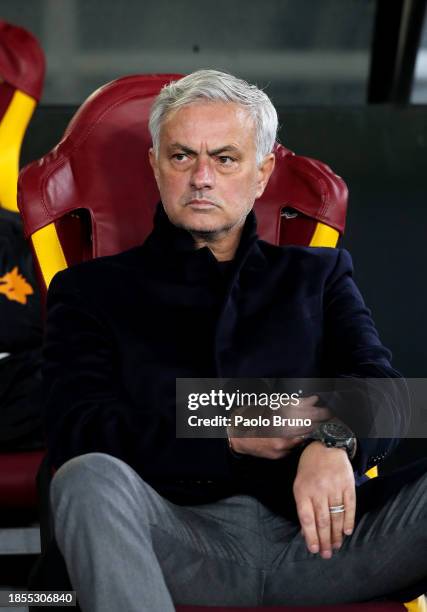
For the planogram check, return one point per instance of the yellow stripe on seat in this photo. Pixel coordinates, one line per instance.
(49, 252)
(324, 236)
(417, 605)
(12, 130)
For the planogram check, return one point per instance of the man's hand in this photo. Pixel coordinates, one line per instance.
(277, 447)
(266, 448)
(324, 478)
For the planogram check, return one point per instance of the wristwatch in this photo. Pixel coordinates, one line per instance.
(336, 435)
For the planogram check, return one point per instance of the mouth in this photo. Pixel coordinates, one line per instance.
(201, 204)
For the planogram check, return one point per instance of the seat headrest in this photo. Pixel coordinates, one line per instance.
(22, 61)
(100, 165)
(306, 185)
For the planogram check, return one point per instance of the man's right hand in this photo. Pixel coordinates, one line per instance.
(280, 446)
(267, 448)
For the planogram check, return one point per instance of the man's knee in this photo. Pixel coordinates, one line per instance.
(101, 482)
(87, 475)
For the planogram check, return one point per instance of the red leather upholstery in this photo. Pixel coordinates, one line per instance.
(101, 165)
(6, 95)
(304, 185)
(18, 479)
(22, 62)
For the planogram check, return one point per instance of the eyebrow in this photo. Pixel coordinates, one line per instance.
(224, 149)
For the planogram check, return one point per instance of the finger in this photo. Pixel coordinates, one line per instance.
(350, 510)
(320, 414)
(337, 523)
(306, 404)
(308, 525)
(310, 400)
(323, 524)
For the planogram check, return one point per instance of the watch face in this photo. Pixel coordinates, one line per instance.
(336, 431)
(338, 436)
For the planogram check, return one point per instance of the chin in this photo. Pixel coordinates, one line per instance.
(201, 222)
(203, 228)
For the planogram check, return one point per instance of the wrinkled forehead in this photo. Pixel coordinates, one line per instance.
(209, 121)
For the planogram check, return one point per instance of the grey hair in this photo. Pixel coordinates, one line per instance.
(217, 86)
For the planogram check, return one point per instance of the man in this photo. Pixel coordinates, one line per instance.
(146, 520)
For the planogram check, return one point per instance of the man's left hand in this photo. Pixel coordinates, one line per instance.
(324, 479)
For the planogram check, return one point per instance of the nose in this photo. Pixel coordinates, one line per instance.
(203, 174)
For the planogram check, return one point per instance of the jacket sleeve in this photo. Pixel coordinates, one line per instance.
(370, 397)
(87, 409)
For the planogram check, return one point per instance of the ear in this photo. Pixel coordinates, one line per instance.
(153, 163)
(265, 170)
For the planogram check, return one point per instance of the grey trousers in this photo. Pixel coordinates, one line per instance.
(128, 548)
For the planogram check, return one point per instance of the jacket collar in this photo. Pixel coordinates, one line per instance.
(169, 241)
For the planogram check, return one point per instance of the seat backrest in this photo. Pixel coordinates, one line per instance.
(94, 194)
(22, 69)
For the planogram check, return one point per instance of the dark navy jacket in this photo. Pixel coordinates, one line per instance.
(121, 329)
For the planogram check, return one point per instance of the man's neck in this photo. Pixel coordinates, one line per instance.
(223, 247)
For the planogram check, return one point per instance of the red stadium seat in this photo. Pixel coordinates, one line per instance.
(22, 69)
(94, 195)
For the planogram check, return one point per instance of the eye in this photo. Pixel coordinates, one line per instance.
(180, 157)
(226, 160)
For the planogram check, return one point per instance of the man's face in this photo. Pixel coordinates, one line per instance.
(206, 169)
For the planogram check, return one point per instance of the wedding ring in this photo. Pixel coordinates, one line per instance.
(336, 509)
